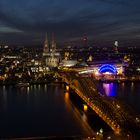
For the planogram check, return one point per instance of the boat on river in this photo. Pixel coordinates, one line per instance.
(22, 84)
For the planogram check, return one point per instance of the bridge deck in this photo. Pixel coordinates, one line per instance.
(111, 110)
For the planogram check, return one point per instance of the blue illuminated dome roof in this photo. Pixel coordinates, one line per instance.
(107, 68)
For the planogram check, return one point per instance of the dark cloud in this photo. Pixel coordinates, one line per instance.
(27, 21)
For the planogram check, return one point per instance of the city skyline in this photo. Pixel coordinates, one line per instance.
(102, 21)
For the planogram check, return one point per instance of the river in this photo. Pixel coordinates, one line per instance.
(48, 110)
(40, 111)
(129, 92)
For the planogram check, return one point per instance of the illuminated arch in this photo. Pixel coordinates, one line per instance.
(107, 68)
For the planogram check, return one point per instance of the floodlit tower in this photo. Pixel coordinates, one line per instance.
(90, 59)
(116, 44)
(50, 55)
(46, 45)
(53, 45)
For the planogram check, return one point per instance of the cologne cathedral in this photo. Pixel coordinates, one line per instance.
(51, 56)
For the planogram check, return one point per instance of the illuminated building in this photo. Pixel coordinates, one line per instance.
(68, 63)
(107, 68)
(115, 69)
(116, 44)
(46, 47)
(52, 57)
(126, 60)
(67, 55)
(90, 59)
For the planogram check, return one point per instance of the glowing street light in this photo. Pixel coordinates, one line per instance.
(85, 107)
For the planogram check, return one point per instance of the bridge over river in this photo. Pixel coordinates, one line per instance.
(115, 113)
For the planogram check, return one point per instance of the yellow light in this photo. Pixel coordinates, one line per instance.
(67, 88)
(117, 106)
(66, 96)
(28, 89)
(96, 73)
(108, 137)
(107, 73)
(85, 107)
(132, 85)
(120, 70)
(137, 119)
(5, 75)
(101, 130)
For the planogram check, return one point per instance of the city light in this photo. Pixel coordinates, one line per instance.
(66, 96)
(70, 69)
(85, 107)
(67, 88)
(107, 68)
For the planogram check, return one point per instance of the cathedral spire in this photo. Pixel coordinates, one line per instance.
(53, 47)
(46, 45)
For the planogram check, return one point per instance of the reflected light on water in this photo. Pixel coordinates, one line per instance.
(132, 86)
(28, 90)
(66, 96)
(84, 117)
(39, 87)
(28, 94)
(31, 87)
(45, 88)
(79, 117)
(35, 86)
(123, 84)
(4, 98)
(109, 89)
(67, 100)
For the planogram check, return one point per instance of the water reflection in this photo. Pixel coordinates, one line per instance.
(84, 117)
(4, 98)
(67, 100)
(132, 86)
(126, 91)
(109, 89)
(35, 88)
(66, 97)
(28, 94)
(39, 87)
(45, 88)
(123, 85)
(28, 90)
(78, 116)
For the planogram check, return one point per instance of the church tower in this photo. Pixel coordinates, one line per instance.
(53, 45)
(46, 46)
(51, 56)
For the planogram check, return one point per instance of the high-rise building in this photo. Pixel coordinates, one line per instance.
(51, 56)
(116, 44)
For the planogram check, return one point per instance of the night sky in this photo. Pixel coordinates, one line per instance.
(103, 21)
